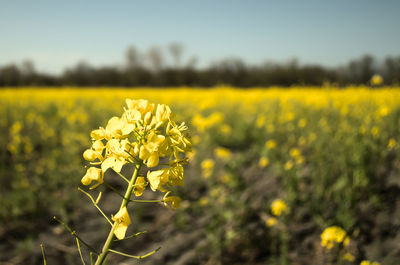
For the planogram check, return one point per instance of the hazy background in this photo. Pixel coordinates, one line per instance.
(49, 37)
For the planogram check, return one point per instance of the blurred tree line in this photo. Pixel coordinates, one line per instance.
(155, 67)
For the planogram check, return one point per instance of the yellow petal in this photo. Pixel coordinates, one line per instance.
(154, 178)
(92, 174)
(172, 202)
(120, 231)
(107, 163)
(139, 187)
(127, 129)
(123, 221)
(86, 180)
(153, 160)
(144, 152)
(98, 134)
(119, 163)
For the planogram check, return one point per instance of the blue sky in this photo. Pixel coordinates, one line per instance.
(57, 34)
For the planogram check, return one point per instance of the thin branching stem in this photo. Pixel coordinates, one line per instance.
(91, 258)
(122, 196)
(95, 205)
(75, 235)
(131, 236)
(44, 255)
(135, 257)
(122, 176)
(114, 189)
(80, 252)
(106, 248)
(137, 160)
(147, 201)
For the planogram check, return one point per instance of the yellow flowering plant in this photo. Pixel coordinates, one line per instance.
(335, 240)
(147, 137)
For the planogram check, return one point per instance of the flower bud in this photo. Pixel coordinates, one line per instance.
(92, 174)
(89, 155)
(147, 117)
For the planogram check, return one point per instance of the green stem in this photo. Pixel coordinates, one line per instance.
(44, 255)
(75, 234)
(106, 248)
(95, 205)
(131, 236)
(80, 252)
(135, 257)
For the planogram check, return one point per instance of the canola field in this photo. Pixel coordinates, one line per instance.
(270, 171)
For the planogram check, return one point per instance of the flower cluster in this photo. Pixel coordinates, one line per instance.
(334, 235)
(144, 135)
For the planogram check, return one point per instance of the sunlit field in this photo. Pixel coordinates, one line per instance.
(270, 170)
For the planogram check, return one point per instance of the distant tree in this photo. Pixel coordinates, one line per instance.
(80, 75)
(155, 58)
(10, 76)
(133, 57)
(392, 70)
(176, 50)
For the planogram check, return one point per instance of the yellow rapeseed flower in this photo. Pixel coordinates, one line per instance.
(140, 186)
(392, 143)
(203, 201)
(149, 152)
(93, 174)
(222, 153)
(263, 162)
(302, 123)
(288, 165)
(225, 129)
(349, 257)
(172, 202)
(279, 207)
(294, 152)
(270, 144)
(271, 221)
(144, 134)
(123, 221)
(207, 167)
(333, 235)
(376, 80)
(367, 262)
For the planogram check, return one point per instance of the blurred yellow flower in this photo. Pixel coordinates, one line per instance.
(333, 235)
(271, 221)
(263, 162)
(270, 144)
(279, 207)
(367, 262)
(203, 201)
(376, 80)
(302, 123)
(222, 153)
(375, 131)
(226, 178)
(288, 165)
(392, 143)
(225, 129)
(207, 167)
(294, 152)
(349, 257)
